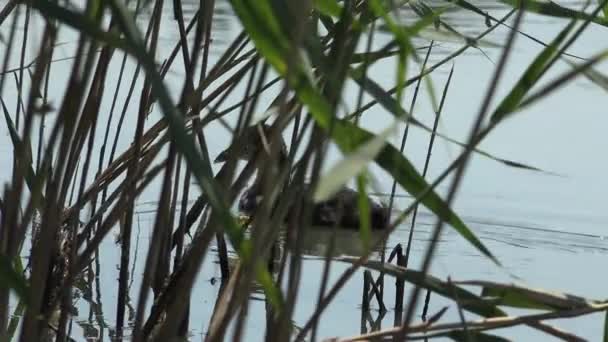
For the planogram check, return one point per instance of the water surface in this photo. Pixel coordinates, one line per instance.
(548, 230)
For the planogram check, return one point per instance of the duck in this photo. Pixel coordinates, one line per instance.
(340, 210)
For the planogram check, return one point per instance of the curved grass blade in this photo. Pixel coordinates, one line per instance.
(133, 44)
(15, 319)
(330, 8)
(404, 43)
(530, 77)
(489, 18)
(528, 298)
(20, 307)
(346, 135)
(469, 301)
(82, 23)
(544, 60)
(200, 164)
(592, 75)
(563, 79)
(372, 56)
(550, 8)
(12, 279)
(353, 164)
(349, 137)
(394, 108)
(33, 182)
(477, 336)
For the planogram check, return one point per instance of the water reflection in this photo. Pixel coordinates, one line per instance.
(317, 243)
(323, 241)
(221, 27)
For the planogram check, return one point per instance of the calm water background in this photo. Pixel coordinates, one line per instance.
(548, 231)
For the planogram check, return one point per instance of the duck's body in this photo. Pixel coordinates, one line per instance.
(341, 210)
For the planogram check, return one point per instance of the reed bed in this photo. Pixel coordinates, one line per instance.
(79, 167)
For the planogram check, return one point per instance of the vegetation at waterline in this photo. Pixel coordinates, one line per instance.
(70, 185)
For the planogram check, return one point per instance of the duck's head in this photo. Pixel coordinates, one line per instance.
(240, 151)
(252, 140)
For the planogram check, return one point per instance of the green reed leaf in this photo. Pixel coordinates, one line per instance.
(477, 336)
(469, 301)
(328, 7)
(551, 8)
(347, 136)
(529, 298)
(11, 278)
(530, 77)
(353, 164)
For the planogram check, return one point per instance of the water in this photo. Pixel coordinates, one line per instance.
(548, 231)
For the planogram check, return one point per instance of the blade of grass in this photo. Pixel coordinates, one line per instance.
(353, 164)
(553, 9)
(492, 87)
(347, 136)
(525, 297)
(11, 279)
(469, 301)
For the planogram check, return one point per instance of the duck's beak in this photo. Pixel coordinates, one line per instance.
(222, 157)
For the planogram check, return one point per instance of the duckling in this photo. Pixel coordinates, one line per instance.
(340, 210)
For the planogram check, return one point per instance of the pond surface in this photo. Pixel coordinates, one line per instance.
(547, 229)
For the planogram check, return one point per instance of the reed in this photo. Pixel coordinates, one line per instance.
(90, 143)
